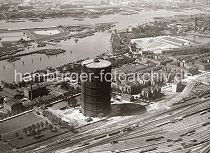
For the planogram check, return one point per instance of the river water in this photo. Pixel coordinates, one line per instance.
(86, 47)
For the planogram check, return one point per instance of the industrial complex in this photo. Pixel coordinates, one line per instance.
(105, 76)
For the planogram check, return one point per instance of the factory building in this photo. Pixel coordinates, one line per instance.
(35, 91)
(15, 106)
(176, 87)
(151, 92)
(203, 65)
(96, 91)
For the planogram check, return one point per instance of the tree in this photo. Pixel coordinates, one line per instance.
(33, 127)
(101, 115)
(25, 130)
(72, 102)
(46, 123)
(54, 129)
(59, 121)
(38, 132)
(33, 132)
(29, 130)
(37, 125)
(42, 124)
(50, 127)
(71, 127)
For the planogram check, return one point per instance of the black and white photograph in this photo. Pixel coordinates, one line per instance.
(104, 76)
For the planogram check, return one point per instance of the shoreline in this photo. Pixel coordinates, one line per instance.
(48, 52)
(157, 15)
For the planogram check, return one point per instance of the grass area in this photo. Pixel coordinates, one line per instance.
(33, 35)
(13, 135)
(4, 147)
(19, 122)
(23, 140)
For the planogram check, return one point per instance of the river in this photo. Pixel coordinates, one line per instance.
(86, 47)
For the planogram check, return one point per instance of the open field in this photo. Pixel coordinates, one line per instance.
(23, 140)
(13, 36)
(19, 122)
(37, 34)
(13, 136)
(47, 32)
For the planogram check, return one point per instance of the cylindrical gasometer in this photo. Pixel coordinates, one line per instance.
(96, 90)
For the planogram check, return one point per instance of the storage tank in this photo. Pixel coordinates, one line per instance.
(96, 91)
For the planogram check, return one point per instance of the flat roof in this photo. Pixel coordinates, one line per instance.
(99, 63)
(13, 102)
(37, 86)
(10, 93)
(201, 63)
(161, 43)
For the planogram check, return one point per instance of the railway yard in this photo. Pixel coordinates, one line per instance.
(97, 81)
(180, 128)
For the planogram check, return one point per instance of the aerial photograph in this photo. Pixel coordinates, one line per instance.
(104, 76)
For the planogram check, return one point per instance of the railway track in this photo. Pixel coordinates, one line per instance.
(70, 141)
(153, 125)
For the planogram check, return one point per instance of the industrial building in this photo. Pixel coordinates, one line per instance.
(176, 87)
(96, 91)
(190, 67)
(15, 106)
(151, 92)
(35, 91)
(160, 44)
(203, 65)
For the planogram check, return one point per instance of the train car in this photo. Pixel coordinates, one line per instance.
(155, 138)
(114, 133)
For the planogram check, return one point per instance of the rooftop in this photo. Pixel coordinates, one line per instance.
(13, 102)
(37, 86)
(158, 44)
(10, 93)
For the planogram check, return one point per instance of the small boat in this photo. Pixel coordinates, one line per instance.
(94, 16)
(35, 20)
(129, 13)
(125, 13)
(38, 20)
(17, 20)
(79, 19)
